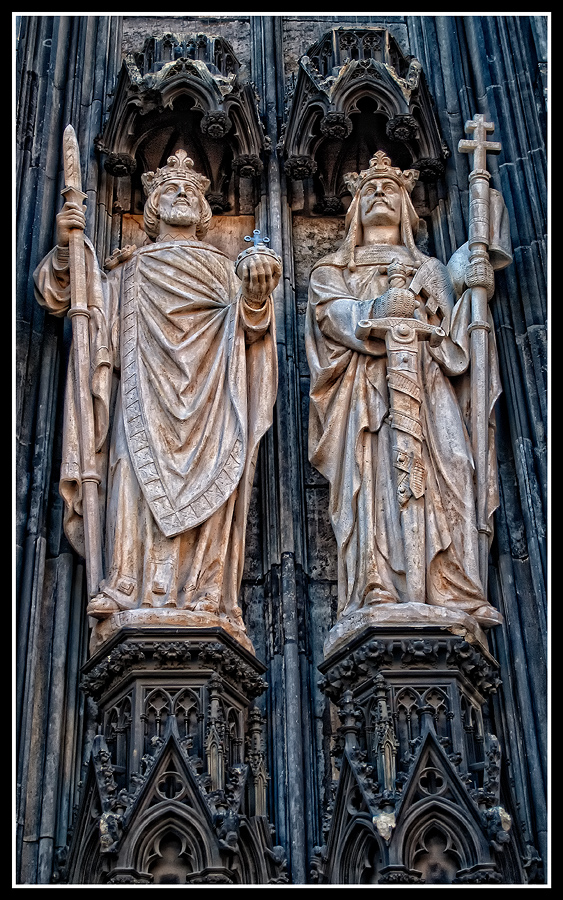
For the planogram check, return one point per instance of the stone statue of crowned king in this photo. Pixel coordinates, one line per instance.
(182, 383)
(388, 339)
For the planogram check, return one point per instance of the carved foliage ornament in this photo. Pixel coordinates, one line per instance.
(216, 124)
(300, 167)
(336, 125)
(133, 655)
(402, 128)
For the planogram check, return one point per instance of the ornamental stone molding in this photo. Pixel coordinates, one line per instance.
(418, 796)
(188, 90)
(197, 650)
(355, 86)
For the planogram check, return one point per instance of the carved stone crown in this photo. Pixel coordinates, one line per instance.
(380, 167)
(177, 166)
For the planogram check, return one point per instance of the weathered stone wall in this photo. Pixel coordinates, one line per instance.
(235, 29)
(301, 32)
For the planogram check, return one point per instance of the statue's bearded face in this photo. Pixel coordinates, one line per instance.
(380, 202)
(179, 203)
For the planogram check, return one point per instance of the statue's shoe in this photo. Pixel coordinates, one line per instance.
(102, 607)
(487, 615)
(235, 617)
(378, 595)
(207, 603)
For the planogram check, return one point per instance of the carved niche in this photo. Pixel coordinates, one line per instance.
(189, 91)
(356, 92)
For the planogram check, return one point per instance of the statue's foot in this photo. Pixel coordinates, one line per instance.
(235, 617)
(208, 603)
(377, 596)
(488, 615)
(102, 607)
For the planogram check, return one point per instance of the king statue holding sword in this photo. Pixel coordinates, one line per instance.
(401, 351)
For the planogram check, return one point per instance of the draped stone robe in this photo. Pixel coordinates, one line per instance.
(351, 440)
(177, 452)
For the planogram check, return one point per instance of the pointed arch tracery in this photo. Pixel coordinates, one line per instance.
(439, 828)
(360, 855)
(356, 92)
(436, 855)
(168, 825)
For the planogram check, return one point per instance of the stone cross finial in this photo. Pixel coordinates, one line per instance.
(479, 146)
(479, 178)
(256, 238)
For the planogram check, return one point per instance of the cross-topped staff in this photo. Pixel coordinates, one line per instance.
(480, 146)
(480, 279)
(80, 315)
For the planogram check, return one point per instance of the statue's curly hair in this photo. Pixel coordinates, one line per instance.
(152, 218)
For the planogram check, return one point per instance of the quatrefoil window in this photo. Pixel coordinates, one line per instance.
(170, 786)
(432, 781)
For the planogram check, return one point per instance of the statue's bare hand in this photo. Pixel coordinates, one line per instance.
(70, 217)
(260, 274)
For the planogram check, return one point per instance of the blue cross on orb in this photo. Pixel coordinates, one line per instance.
(256, 238)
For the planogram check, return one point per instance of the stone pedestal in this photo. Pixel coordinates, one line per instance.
(176, 784)
(412, 616)
(417, 798)
(164, 617)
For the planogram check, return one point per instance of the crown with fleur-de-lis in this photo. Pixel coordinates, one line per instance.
(177, 166)
(380, 166)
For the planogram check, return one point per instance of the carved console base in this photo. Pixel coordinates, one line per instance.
(175, 791)
(168, 618)
(418, 798)
(413, 616)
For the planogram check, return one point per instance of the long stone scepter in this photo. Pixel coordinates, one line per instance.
(480, 279)
(79, 313)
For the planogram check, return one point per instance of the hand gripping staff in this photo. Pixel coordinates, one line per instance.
(80, 315)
